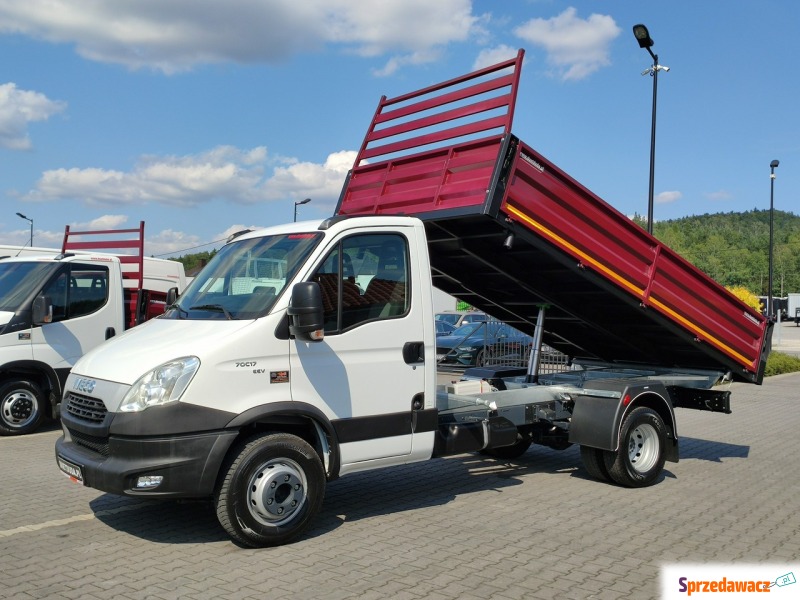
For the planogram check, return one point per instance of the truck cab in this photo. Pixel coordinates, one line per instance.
(239, 359)
(57, 304)
(52, 311)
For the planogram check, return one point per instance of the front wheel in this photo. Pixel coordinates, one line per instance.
(481, 359)
(22, 407)
(270, 491)
(640, 457)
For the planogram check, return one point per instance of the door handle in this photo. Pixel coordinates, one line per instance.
(414, 352)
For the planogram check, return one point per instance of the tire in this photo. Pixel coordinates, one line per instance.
(270, 490)
(594, 463)
(640, 458)
(23, 407)
(480, 358)
(515, 450)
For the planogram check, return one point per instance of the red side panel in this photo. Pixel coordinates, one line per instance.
(598, 237)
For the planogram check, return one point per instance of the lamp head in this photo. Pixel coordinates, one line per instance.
(772, 165)
(642, 36)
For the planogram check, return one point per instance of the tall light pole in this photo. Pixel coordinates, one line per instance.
(296, 204)
(772, 167)
(645, 41)
(27, 219)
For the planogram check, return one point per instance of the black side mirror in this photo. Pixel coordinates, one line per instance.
(172, 296)
(42, 310)
(305, 312)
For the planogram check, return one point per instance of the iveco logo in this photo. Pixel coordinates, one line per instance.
(84, 385)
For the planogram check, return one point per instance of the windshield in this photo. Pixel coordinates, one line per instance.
(18, 280)
(245, 278)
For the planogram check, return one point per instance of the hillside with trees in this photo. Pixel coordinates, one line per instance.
(192, 263)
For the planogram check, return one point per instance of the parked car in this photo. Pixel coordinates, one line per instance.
(457, 318)
(444, 327)
(481, 343)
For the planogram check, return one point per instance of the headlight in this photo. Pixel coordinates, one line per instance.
(166, 383)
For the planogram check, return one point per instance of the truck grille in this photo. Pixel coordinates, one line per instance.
(93, 443)
(84, 408)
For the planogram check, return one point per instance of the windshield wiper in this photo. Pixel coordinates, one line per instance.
(216, 307)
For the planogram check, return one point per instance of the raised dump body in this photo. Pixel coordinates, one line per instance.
(509, 233)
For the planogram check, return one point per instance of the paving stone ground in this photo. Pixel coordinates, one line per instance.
(465, 527)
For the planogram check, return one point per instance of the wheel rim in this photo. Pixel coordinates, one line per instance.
(643, 448)
(19, 409)
(277, 491)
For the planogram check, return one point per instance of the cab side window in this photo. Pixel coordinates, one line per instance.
(363, 279)
(78, 290)
(88, 289)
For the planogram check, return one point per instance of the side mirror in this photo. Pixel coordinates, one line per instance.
(42, 310)
(305, 312)
(172, 296)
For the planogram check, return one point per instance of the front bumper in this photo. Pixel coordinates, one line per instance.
(188, 463)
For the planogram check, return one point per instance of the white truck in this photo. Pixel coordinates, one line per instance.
(56, 305)
(793, 310)
(255, 389)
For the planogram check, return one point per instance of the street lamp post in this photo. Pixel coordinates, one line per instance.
(645, 41)
(296, 204)
(772, 167)
(27, 219)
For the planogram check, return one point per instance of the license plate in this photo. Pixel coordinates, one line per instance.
(71, 470)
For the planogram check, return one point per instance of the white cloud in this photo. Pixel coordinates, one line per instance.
(493, 56)
(668, 197)
(17, 109)
(575, 47)
(177, 35)
(321, 182)
(103, 222)
(223, 173)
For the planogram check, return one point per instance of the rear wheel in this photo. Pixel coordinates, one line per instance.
(640, 457)
(22, 407)
(594, 462)
(271, 490)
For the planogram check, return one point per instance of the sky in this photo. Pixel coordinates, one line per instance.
(203, 118)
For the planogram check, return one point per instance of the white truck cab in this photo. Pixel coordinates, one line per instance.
(157, 411)
(56, 305)
(52, 311)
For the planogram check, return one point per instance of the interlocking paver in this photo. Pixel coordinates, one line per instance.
(461, 527)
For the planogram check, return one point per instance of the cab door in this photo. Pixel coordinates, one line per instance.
(82, 314)
(359, 374)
